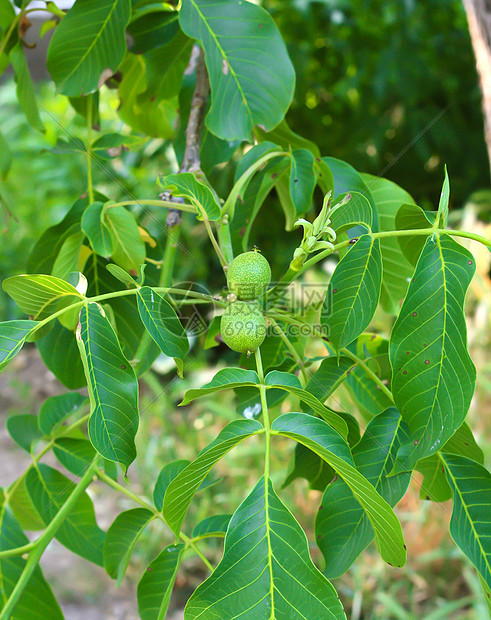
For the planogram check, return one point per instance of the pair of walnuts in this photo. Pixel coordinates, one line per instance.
(242, 325)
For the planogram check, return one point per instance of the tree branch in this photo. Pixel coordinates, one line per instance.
(191, 160)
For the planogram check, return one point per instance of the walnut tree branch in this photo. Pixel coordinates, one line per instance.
(191, 159)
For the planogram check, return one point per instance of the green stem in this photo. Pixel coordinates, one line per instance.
(9, 32)
(121, 489)
(90, 188)
(361, 363)
(154, 203)
(133, 291)
(292, 274)
(267, 460)
(8, 553)
(44, 540)
(293, 351)
(224, 239)
(214, 243)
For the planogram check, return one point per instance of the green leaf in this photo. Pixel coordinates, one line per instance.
(357, 211)
(23, 428)
(5, 157)
(41, 296)
(36, 600)
(80, 59)
(128, 246)
(163, 325)
(347, 179)
(302, 179)
(442, 215)
(321, 439)
(21, 504)
(25, 88)
(388, 197)
(74, 454)
(181, 490)
(247, 63)
(225, 379)
(81, 105)
(13, 334)
(122, 275)
(410, 217)
(155, 586)
(45, 250)
(113, 388)
(96, 230)
(212, 526)
(435, 486)
(307, 464)
(266, 570)
(283, 135)
(68, 258)
(56, 409)
(165, 477)
(121, 537)
(198, 194)
(290, 383)
(471, 515)
(110, 145)
(60, 353)
(353, 292)
(433, 375)
(152, 117)
(343, 529)
(153, 26)
(79, 532)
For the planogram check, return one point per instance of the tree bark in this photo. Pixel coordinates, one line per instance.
(479, 20)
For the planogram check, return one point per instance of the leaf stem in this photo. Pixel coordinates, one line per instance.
(361, 363)
(88, 150)
(44, 540)
(292, 350)
(214, 242)
(121, 489)
(155, 203)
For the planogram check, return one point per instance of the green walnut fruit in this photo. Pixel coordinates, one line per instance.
(248, 275)
(243, 327)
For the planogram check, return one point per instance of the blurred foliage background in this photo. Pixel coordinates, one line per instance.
(390, 86)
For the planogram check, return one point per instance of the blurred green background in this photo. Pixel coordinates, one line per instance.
(388, 86)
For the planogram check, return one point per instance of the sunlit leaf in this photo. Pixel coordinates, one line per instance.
(13, 334)
(88, 45)
(181, 490)
(113, 388)
(266, 570)
(433, 375)
(187, 186)
(247, 63)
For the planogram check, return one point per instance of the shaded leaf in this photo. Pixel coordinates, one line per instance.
(74, 454)
(79, 532)
(60, 353)
(211, 526)
(128, 246)
(25, 88)
(56, 409)
(68, 259)
(357, 211)
(96, 230)
(113, 388)
(412, 217)
(433, 375)
(302, 179)
(121, 538)
(165, 477)
(155, 586)
(163, 325)
(36, 600)
(266, 570)
(247, 63)
(23, 428)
